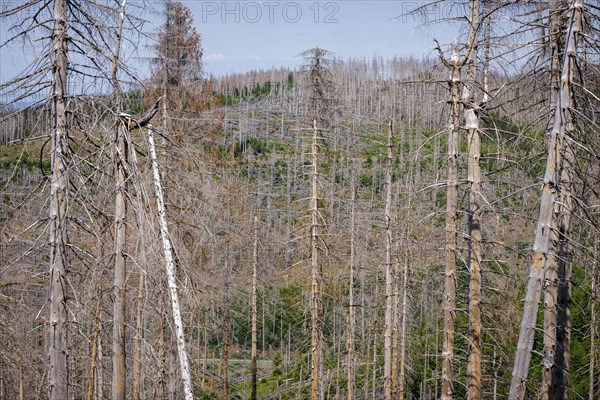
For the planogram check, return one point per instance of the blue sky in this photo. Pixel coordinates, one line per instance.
(243, 35)
(239, 36)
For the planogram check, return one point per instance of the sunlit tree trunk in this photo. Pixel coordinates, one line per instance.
(389, 297)
(119, 290)
(58, 341)
(170, 269)
(351, 317)
(593, 298)
(99, 384)
(315, 298)
(471, 118)
(225, 358)
(94, 355)
(120, 275)
(254, 282)
(544, 247)
(395, 324)
(449, 296)
(137, 344)
(404, 321)
(564, 273)
(551, 268)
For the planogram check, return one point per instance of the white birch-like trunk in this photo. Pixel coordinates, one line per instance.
(170, 269)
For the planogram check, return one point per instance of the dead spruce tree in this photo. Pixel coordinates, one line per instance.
(449, 296)
(119, 376)
(320, 102)
(58, 335)
(389, 279)
(75, 48)
(471, 118)
(546, 246)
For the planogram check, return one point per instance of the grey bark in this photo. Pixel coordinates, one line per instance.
(471, 117)
(543, 247)
(315, 297)
(254, 331)
(449, 296)
(351, 317)
(389, 296)
(58, 374)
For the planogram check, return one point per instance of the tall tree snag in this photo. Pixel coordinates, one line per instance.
(177, 69)
(389, 284)
(351, 317)
(315, 295)
(254, 319)
(471, 117)
(449, 296)
(593, 329)
(544, 246)
(320, 87)
(170, 269)
(404, 319)
(120, 273)
(58, 374)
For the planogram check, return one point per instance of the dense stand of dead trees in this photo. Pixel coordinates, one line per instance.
(392, 326)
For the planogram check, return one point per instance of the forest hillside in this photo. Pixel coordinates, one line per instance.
(365, 228)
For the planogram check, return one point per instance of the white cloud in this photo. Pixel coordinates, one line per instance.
(217, 57)
(252, 57)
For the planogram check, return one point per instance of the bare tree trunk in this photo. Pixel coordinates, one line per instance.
(374, 369)
(119, 289)
(449, 301)
(225, 359)
(254, 332)
(137, 344)
(94, 355)
(404, 319)
(389, 297)
(21, 390)
(161, 384)
(564, 211)
(495, 388)
(395, 325)
(58, 341)
(543, 247)
(551, 269)
(170, 269)
(474, 210)
(100, 371)
(351, 318)
(205, 355)
(315, 298)
(593, 325)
